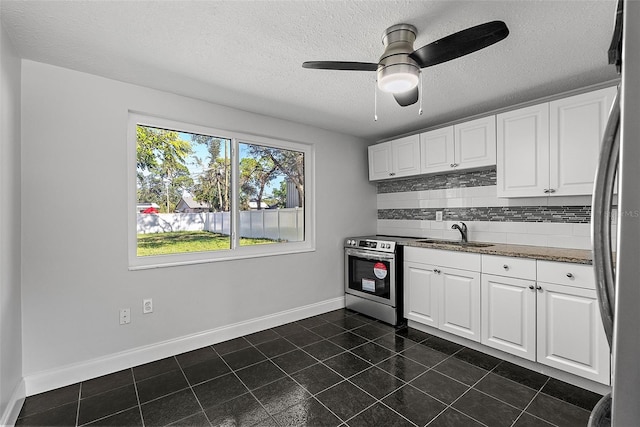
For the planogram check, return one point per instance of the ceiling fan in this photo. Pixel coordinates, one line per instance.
(399, 66)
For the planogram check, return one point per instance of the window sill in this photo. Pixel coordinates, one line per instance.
(163, 261)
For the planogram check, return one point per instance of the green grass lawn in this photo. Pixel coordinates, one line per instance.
(187, 241)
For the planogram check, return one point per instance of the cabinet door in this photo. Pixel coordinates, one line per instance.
(437, 150)
(406, 156)
(576, 127)
(523, 152)
(475, 143)
(509, 315)
(570, 332)
(380, 161)
(460, 303)
(421, 293)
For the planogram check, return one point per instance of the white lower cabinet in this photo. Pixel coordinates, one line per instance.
(570, 332)
(509, 315)
(440, 296)
(421, 293)
(542, 311)
(460, 303)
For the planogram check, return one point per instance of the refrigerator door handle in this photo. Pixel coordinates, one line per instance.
(601, 218)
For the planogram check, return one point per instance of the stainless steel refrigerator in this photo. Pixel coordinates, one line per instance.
(619, 282)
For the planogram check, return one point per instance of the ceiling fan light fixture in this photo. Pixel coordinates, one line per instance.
(398, 69)
(398, 78)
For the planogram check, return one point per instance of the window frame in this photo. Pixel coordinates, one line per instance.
(236, 250)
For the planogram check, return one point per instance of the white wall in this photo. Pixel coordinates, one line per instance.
(75, 275)
(10, 313)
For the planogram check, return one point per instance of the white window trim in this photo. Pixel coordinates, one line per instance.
(236, 251)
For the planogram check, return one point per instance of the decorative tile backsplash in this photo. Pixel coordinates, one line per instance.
(407, 207)
(479, 178)
(567, 214)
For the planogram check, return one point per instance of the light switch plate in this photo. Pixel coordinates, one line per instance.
(439, 216)
(125, 316)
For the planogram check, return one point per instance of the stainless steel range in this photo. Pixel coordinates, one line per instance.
(372, 278)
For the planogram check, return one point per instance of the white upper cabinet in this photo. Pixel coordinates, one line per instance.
(552, 148)
(523, 152)
(380, 166)
(393, 159)
(475, 143)
(436, 150)
(466, 145)
(577, 125)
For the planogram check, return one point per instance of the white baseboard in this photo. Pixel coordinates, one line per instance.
(59, 377)
(11, 412)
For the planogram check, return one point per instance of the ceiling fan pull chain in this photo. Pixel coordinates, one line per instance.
(375, 102)
(421, 95)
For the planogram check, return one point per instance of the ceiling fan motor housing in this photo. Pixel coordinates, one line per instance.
(397, 71)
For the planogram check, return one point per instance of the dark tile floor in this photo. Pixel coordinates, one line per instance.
(336, 369)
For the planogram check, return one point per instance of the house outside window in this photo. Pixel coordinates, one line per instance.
(199, 194)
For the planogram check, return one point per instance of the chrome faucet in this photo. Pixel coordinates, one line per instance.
(462, 230)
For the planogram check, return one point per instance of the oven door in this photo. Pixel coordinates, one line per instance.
(370, 275)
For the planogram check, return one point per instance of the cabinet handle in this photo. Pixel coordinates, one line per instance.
(453, 165)
(551, 190)
(570, 276)
(547, 191)
(392, 174)
(435, 270)
(506, 267)
(531, 287)
(539, 288)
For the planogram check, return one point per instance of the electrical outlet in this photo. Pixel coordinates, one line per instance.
(147, 306)
(439, 216)
(125, 316)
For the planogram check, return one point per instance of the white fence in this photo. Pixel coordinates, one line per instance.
(276, 224)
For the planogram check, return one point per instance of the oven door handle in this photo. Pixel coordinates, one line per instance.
(369, 255)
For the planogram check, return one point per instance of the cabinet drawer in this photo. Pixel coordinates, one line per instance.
(506, 266)
(563, 273)
(443, 258)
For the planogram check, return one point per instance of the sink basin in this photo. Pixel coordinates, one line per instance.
(455, 243)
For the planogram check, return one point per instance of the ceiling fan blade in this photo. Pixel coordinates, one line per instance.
(461, 43)
(340, 65)
(407, 98)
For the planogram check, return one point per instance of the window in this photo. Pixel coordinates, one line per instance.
(201, 194)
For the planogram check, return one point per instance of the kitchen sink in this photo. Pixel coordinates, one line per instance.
(455, 243)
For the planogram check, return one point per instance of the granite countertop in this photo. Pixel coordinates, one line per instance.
(578, 256)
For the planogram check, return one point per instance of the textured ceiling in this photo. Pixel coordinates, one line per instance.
(248, 54)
